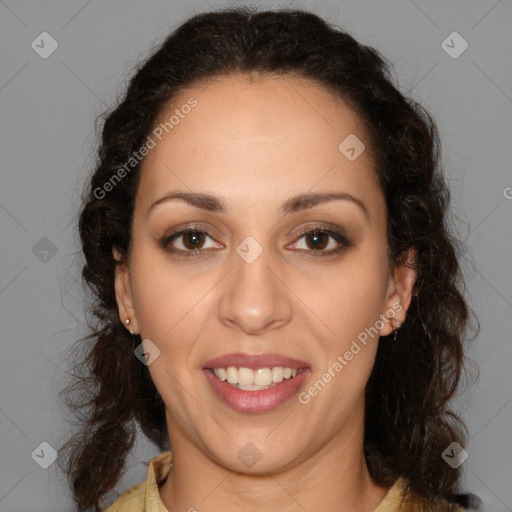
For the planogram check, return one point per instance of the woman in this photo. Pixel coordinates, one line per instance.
(278, 298)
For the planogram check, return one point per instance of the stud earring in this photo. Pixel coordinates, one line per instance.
(127, 322)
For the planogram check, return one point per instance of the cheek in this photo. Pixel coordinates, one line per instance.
(171, 307)
(170, 313)
(347, 297)
(161, 293)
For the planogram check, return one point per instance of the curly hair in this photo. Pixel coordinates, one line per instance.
(408, 423)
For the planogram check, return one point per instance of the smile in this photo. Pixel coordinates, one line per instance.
(255, 383)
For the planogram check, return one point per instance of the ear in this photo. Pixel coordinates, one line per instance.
(124, 293)
(399, 296)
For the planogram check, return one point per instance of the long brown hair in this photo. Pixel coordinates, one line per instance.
(408, 422)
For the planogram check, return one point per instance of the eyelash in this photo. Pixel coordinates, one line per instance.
(341, 239)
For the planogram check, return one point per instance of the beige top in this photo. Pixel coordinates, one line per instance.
(146, 498)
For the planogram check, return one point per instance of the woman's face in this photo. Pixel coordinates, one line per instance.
(256, 160)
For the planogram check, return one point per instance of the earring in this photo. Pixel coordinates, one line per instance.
(398, 325)
(127, 322)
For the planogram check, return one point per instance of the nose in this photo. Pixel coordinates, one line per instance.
(255, 296)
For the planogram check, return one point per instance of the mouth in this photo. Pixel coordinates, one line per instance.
(255, 383)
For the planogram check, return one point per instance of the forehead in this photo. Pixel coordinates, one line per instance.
(267, 137)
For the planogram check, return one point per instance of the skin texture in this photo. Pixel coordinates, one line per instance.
(256, 143)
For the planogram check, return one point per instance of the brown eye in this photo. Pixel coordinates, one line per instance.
(189, 242)
(319, 240)
(193, 239)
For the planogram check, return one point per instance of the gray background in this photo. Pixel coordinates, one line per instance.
(48, 108)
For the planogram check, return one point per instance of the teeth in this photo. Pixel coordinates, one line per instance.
(262, 376)
(277, 374)
(251, 380)
(232, 375)
(247, 377)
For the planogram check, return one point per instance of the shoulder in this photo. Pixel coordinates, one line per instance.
(145, 496)
(130, 501)
(401, 499)
(426, 505)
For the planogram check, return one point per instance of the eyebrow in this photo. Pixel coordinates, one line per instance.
(216, 204)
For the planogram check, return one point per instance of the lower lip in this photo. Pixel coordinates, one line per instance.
(256, 401)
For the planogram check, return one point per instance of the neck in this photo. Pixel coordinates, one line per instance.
(335, 477)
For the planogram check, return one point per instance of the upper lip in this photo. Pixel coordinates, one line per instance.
(254, 361)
